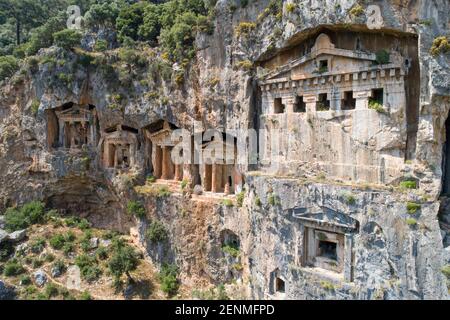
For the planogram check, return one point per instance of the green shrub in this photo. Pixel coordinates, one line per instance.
(258, 201)
(37, 245)
(124, 260)
(349, 198)
(440, 45)
(356, 10)
(8, 66)
(67, 38)
(412, 207)
(446, 271)
(30, 213)
(57, 241)
(85, 296)
(25, 280)
(136, 209)
(240, 198)
(244, 28)
(411, 222)
(101, 253)
(51, 290)
(83, 224)
(245, 65)
(184, 184)
(151, 179)
(35, 106)
(408, 184)
(13, 268)
(290, 7)
(36, 263)
(156, 232)
(101, 45)
(227, 202)
(163, 191)
(68, 248)
(231, 250)
(376, 105)
(273, 199)
(49, 257)
(168, 278)
(88, 267)
(382, 57)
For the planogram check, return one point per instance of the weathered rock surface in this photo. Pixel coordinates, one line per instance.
(40, 278)
(6, 292)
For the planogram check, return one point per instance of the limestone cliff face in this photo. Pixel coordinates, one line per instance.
(383, 255)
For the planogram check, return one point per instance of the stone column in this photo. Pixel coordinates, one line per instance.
(132, 151)
(348, 254)
(157, 164)
(335, 100)
(165, 163)
(216, 178)
(116, 156)
(362, 99)
(310, 101)
(289, 104)
(61, 133)
(178, 172)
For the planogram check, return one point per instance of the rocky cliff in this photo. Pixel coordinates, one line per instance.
(396, 239)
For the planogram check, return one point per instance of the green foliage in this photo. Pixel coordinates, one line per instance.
(244, 28)
(446, 271)
(136, 209)
(102, 253)
(101, 45)
(440, 45)
(57, 241)
(168, 278)
(25, 280)
(356, 11)
(51, 290)
(290, 7)
(35, 106)
(38, 245)
(231, 249)
(382, 57)
(246, 65)
(8, 66)
(156, 232)
(184, 184)
(85, 295)
(124, 260)
(258, 201)
(103, 13)
(412, 207)
(273, 199)
(129, 20)
(327, 285)
(13, 268)
(217, 293)
(163, 191)
(67, 38)
(411, 222)
(30, 213)
(376, 105)
(408, 184)
(42, 36)
(240, 198)
(227, 202)
(349, 198)
(88, 267)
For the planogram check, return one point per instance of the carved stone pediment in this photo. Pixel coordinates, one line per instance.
(326, 218)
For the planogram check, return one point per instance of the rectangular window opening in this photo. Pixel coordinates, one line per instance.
(280, 285)
(299, 105)
(328, 250)
(323, 104)
(278, 106)
(348, 103)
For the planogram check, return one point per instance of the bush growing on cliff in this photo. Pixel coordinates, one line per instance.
(67, 38)
(440, 45)
(30, 213)
(168, 278)
(124, 260)
(156, 232)
(8, 66)
(136, 209)
(88, 267)
(13, 268)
